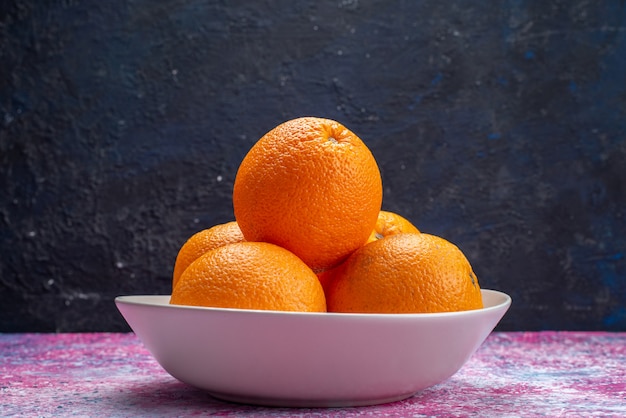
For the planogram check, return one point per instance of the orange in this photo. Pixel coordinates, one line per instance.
(204, 241)
(250, 275)
(312, 186)
(390, 223)
(405, 273)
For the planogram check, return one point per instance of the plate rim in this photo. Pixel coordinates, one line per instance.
(138, 300)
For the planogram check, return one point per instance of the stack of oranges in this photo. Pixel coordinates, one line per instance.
(309, 235)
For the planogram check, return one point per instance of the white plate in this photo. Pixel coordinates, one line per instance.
(309, 359)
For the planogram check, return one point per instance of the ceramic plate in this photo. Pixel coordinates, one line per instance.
(309, 359)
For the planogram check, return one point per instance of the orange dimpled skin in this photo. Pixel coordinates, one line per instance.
(309, 185)
(405, 273)
(250, 275)
(203, 241)
(390, 223)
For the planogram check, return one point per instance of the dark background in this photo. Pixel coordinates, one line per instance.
(498, 125)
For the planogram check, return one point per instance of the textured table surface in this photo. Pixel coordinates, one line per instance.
(512, 374)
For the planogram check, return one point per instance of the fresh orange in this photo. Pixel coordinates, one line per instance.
(390, 223)
(204, 241)
(405, 273)
(312, 186)
(250, 275)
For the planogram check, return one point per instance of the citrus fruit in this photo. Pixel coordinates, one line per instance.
(390, 223)
(405, 273)
(250, 275)
(309, 185)
(203, 241)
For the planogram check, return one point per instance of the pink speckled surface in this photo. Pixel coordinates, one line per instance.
(511, 375)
